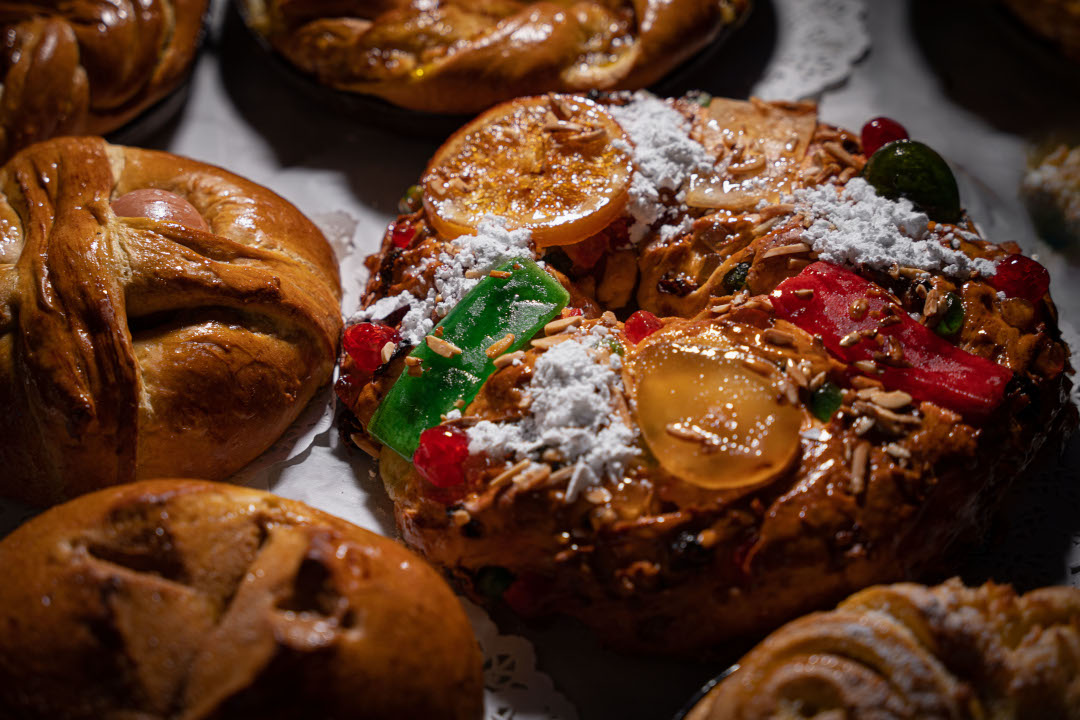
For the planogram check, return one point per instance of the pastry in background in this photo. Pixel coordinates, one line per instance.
(910, 651)
(157, 316)
(1051, 189)
(457, 56)
(83, 68)
(187, 599)
(1056, 20)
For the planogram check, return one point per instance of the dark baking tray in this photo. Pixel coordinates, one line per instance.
(375, 111)
(700, 694)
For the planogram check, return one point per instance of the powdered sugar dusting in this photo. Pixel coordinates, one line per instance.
(665, 158)
(492, 244)
(571, 412)
(854, 225)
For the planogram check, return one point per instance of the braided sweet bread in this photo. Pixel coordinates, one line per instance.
(751, 377)
(150, 334)
(189, 600)
(453, 56)
(75, 68)
(910, 651)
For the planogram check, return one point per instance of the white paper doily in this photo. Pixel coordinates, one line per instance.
(818, 44)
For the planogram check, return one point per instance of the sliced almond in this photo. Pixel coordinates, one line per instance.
(508, 359)
(499, 347)
(557, 326)
(442, 347)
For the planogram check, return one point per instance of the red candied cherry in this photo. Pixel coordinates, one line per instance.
(1021, 277)
(641, 325)
(402, 234)
(440, 458)
(525, 596)
(365, 343)
(881, 131)
(571, 312)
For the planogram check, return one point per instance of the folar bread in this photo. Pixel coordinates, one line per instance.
(132, 347)
(189, 600)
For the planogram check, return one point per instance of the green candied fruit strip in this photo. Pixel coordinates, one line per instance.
(521, 304)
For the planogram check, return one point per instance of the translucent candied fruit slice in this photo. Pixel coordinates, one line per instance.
(549, 163)
(707, 417)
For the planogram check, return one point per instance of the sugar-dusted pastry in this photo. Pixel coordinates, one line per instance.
(686, 369)
(157, 315)
(913, 652)
(85, 68)
(181, 599)
(457, 56)
(1051, 189)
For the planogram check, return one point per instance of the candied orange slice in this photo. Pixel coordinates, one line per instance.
(558, 165)
(710, 417)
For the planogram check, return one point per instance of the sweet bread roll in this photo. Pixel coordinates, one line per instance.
(75, 68)
(130, 346)
(455, 56)
(186, 600)
(910, 651)
(750, 377)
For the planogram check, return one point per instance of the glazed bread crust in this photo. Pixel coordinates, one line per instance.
(131, 347)
(910, 651)
(188, 599)
(461, 57)
(72, 68)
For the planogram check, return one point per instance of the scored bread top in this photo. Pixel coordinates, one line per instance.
(189, 599)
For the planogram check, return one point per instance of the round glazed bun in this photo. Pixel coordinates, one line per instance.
(188, 599)
(80, 67)
(133, 347)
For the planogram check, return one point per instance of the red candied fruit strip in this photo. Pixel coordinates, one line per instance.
(364, 343)
(440, 457)
(939, 372)
(1021, 277)
(641, 325)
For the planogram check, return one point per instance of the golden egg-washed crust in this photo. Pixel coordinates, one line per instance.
(657, 563)
(74, 68)
(909, 652)
(457, 56)
(131, 347)
(189, 600)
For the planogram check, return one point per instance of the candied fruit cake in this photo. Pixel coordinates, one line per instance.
(685, 369)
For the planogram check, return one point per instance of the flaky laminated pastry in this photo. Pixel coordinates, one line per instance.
(913, 652)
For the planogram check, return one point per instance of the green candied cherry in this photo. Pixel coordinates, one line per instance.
(825, 401)
(519, 299)
(493, 581)
(735, 278)
(412, 200)
(909, 169)
(950, 321)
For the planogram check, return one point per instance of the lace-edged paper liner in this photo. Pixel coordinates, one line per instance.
(513, 688)
(818, 44)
